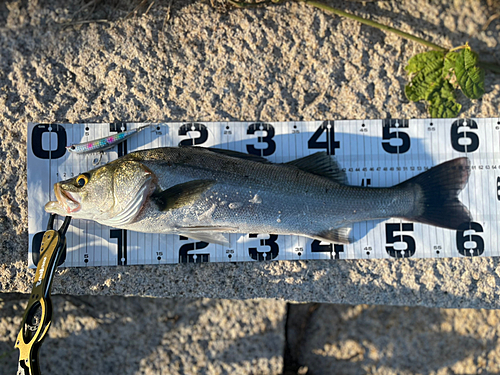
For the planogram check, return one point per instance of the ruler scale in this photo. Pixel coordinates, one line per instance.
(373, 153)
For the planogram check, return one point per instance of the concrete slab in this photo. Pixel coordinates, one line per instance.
(341, 339)
(119, 335)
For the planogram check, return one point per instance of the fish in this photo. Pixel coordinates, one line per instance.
(105, 143)
(204, 193)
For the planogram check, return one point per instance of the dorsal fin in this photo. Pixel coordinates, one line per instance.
(181, 195)
(321, 164)
(234, 154)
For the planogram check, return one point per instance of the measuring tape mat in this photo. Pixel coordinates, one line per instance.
(376, 153)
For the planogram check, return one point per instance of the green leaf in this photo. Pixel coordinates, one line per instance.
(442, 101)
(424, 81)
(449, 63)
(470, 77)
(420, 61)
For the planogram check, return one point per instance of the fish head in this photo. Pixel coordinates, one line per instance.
(115, 191)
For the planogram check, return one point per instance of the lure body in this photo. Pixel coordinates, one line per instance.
(104, 143)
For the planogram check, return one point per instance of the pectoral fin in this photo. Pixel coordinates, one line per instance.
(181, 195)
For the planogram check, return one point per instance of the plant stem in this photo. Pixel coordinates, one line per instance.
(364, 21)
(486, 65)
(242, 4)
(495, 68)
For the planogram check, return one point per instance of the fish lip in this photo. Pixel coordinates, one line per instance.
(63, 197)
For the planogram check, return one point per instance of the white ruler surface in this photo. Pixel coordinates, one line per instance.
(373, 153)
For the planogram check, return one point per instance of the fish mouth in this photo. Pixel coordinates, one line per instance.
(66, 199)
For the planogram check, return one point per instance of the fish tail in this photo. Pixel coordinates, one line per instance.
(437, 191)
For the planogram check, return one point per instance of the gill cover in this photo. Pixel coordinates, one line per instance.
(131, 187)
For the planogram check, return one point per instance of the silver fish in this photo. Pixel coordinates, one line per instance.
(202, 193)
(105, 143)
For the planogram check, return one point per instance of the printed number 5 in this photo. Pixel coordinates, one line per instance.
(398, 251)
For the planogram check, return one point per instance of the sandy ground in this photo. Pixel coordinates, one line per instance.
(283, 63)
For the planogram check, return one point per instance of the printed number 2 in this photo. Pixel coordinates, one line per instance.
(398, 240)
(186, 128)
(184, 257)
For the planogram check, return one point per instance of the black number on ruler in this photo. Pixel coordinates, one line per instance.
(456, 136)
(366, 182)
(390, 238)
(194, 126)
(498, 188)
(330, 144)
(36, 141)
(463, 239)
(119, 127)
(184, 257)
(396, 133)
(121, 236)
(316, 247)
(268, 139)
(270, 254)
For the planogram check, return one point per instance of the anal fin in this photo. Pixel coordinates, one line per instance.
(210, 234)
(338, 235)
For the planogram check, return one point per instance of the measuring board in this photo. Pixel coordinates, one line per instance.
(375, 153)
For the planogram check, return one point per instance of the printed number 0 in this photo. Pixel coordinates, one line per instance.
(36, 141)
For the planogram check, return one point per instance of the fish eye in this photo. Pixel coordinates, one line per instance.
(82, 180)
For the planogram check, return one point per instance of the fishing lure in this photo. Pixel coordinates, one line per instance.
(104, 143)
